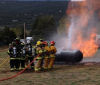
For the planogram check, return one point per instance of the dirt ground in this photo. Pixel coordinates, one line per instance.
(80, 74)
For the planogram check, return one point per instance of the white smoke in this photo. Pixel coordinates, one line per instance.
(83, 23)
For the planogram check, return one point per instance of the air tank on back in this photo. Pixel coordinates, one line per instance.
(69, 56)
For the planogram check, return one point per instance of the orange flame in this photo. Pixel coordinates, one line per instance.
(87, 47)
(87, 44)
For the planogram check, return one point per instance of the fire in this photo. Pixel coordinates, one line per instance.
(87, 47)
(83, 31)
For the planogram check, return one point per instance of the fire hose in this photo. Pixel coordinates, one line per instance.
(19, 73)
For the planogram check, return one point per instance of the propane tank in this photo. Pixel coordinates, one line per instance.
(69, 56)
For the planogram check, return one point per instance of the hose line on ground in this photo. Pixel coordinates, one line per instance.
(19, 72)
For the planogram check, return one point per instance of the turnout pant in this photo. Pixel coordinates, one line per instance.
(38, 64)
(22, 62)
(51, 62)
(17, 64)
(46, 62)
(30, 59)
(12, 63)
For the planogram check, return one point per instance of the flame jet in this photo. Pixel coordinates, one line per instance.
(82, 30)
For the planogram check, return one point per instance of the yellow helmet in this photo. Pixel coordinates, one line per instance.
(38, 43)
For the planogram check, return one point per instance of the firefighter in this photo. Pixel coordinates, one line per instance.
(23, 56)
(29, 54)
(46, 55)
(18, 53)
(11, 53)
(52, 54)
(18, 44)
(39, 55)
(43, 43)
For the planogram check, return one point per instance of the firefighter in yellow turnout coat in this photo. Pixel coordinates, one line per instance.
(39, 55)
(52, 54)
(46, 55)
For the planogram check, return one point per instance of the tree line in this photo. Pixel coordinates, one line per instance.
(43, 27)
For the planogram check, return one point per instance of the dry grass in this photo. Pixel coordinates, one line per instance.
(61, 75)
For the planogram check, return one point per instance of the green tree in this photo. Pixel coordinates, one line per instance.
(19, 31)
(7, 36)
(43, 27)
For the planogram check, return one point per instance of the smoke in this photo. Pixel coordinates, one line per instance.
(60, 41)
(79, 28)
(82, 21)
